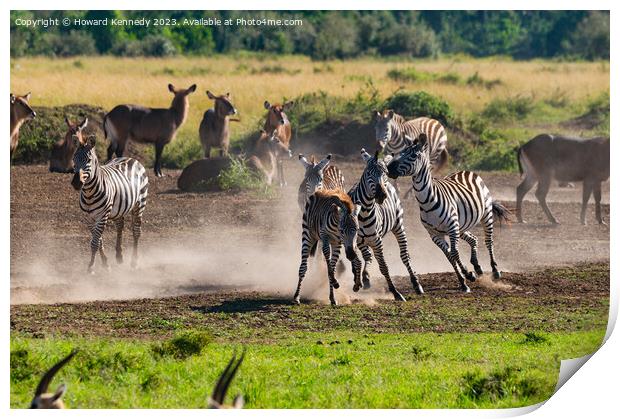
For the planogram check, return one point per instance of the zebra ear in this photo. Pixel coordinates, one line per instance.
(423, 140)
(390, 114)
(365, 155)
(83, 124)
(304, 161)
(325, 162)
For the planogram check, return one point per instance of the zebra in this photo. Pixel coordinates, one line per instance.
(318, 176)
(331, 218)
(392, 130)
(380, 213)
(451, 207)
(109, 192)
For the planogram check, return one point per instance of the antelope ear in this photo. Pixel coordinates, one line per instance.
(390, 114)
(83, 124)
(171, 88)
(288, 104)
(27, 96)
(365, 155)
(210, 95)
(60, 391)
(267, 105)
(192, 88)
(12, 98)
(67, 122)
(238, 402)
(227, 94)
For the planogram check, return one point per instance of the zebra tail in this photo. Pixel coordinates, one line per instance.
(501, 213)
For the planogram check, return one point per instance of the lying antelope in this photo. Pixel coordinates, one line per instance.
(216, 401)
(44, 400)
(214, 129)
(278, 121)
(267, 150)
(146, 125)
(61, 157)
(20, 113)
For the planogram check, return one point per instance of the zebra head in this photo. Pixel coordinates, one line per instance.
(84, 158)
(383, 128)
(373, 179)
(314, 173)
(349, 225)
(411, 160)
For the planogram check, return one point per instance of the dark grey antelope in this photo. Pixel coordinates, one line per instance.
(547, 157)
(44, 400)
(214, 128)
(146, 125)
(451, 207)
(216, 401)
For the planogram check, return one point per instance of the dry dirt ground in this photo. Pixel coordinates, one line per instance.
(223, 246)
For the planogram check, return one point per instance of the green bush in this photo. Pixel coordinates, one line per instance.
(420, 103)
(239, 177)
(181, 152)
(184, 345)
(476, 80)
(410, 74)
(512, 108)
(499, 384)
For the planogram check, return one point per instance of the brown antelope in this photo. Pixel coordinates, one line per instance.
(44, 400)
(61, 158)
(267, 150)
(216, 401)
(278, 121)
(20, 112)
(146, 125)
(214, 128)
(547, 157)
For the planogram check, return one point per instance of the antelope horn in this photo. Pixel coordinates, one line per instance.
(219, 392)
(49, 375)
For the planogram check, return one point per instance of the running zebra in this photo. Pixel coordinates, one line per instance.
(380, 213)
(331, 218)
(451, 207)
(109, 192)
(392, 129)
(317, 177)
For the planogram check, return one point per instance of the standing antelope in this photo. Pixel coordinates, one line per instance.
(44, 400)
(318, 177)
(450, 207)
(109, 192)
(146, 125)
(20, 112)
(330, 217)
(61, 157)
(214, 128)
(264, 157)
(546, 157)
(216, 401)
(278, 121)
(381, 213)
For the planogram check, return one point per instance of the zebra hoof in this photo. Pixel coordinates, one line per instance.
(335, 284)
(478, 270)
(366, 282)
(398, 296)
(497, 275)
(356, 287)
(334, 303)
(296, 301)
(470, 276)
(418, 289)
(465, 288)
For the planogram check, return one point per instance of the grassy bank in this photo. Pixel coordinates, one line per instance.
(306, 370)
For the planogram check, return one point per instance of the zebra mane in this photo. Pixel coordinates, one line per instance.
(339, 195)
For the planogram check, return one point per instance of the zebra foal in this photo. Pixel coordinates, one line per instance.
(109, 192)
(330, 217)
(450, 207)
(380, 213)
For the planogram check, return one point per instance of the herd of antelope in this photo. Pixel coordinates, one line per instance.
(358, 218)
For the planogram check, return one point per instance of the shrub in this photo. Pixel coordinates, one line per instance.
(499, 384)
(476, 80)
(410, 74)
(517, 107)
(184, 345)
(421, 103)
(239, 177)
(181, 152)
(535, 338)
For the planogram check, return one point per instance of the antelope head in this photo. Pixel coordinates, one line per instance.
(276, 115)
(223, 104)
(216, 401)
(44, 400)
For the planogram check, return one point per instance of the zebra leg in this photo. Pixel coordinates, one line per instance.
(401, 237)
(303, 267)
(104, 258)
(120, 224)
(367, 255)
(356, 266)
(454, 254)
(473, 242)
(377, 249)
(331, 268)
(136, 229)
(488, 240)
(95, 243)
(443, 245)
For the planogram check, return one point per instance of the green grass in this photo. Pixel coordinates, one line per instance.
(309, 370)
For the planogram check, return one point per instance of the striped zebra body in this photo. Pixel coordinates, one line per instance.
(110, 192)
(450, 207)
(394, 133)
(318, 176)
(330, 218)
(380, 213)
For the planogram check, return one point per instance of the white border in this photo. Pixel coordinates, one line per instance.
(593, 390)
